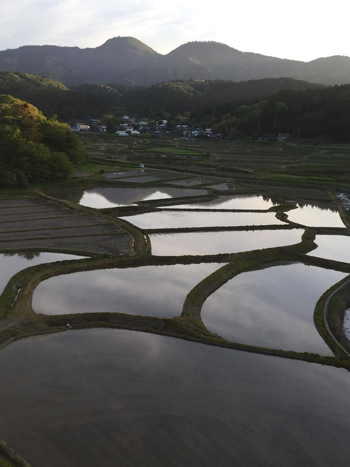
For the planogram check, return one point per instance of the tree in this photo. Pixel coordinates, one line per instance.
(34, 149)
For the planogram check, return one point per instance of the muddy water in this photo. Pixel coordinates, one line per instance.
(179, 219)
(150, 290)
(91, 397)
(109, 197)
(335, 247)
(231, 202)
(11, 263)
(314, 216)
(271, 308)
(211, 243)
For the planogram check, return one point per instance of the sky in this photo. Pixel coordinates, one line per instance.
(299, 30)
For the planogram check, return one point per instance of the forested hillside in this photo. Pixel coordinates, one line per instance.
(236, 110)
(32, 147)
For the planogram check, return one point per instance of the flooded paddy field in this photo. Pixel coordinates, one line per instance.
(129, 173)
(110, 197)
(271, 307)
(148, 291)
(232, 202)
(156, 177)
(112, 397)
(334, 247)
(299, 193)
(182, 219)
(41, 224)
(316, 216)
(193, 181)
(107, 397)
(212, 243)
(11, 263)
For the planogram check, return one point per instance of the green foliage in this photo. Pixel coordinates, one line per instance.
(253, 107)
(58, 137)
(34, 149)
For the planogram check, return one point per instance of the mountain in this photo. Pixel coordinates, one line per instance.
(215, 61)
(129, 61)
(73, 66)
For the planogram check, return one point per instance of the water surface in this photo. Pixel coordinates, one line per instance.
(212, 243)
(150, 290)
(89, 397)
(335, 247)
(110, 197)
(180, 219)
(231, 202)
(315, 216)
(272, 307)
(11, 263)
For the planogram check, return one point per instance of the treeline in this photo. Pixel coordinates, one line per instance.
(237, 110)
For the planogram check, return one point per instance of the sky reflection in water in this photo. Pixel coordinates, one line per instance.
(150, 290)
(100, 198)
(334, 247)
(10, 263)
(315, 216)
(231, 202)
(211, 243)
(271, 308)
(174, 219)
(110, 197)
(132, 390)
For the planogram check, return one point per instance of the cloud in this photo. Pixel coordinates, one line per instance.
(296, 30)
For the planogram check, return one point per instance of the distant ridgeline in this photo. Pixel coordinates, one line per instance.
(127, 60)
(235, 109)
(33, 148)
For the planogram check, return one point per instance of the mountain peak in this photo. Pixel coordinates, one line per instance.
(123, 41)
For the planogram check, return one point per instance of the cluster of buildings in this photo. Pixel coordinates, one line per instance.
(133, 127)
(93, 125)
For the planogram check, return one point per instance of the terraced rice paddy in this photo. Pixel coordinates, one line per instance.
(334, 247)
(11, 263)
(89, 397)
(46, 225)
(212, 243)
(111, 197)
(315, 216)
(119, 397)
(183, 219)
(250, 202)
(271, 308)
(192, 181)
(149, 291)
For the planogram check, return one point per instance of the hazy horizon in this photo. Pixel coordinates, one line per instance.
(162, 53)
(298, 32)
